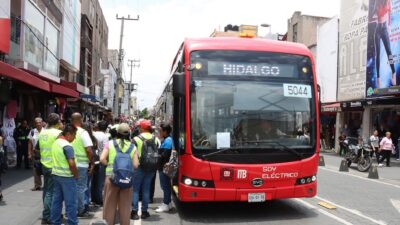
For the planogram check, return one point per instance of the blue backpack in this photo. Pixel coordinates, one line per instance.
(122, 168)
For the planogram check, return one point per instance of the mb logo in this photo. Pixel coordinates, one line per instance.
(242, 174)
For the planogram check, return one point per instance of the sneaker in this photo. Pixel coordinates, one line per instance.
(163, 208)
(398, 159)
(85, 214)
(145, 215)
(45, 222)
(134, 215)
(380, 165)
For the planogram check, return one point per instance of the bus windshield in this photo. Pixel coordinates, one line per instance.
(265, 108)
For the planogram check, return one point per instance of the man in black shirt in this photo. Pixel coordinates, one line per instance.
(21, 138)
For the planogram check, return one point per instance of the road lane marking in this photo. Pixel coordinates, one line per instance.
(324, 212)
(360, 177)
(353, 211)
(396, 204)
(326, 205)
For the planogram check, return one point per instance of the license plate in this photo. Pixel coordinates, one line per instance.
(256, 197)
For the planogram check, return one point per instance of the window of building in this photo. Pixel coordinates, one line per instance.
(295, 32)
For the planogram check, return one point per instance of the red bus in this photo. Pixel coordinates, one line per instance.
(245, 120)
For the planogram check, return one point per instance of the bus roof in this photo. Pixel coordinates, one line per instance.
(245, 44)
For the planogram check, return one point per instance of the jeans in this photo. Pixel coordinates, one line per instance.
(165, 183)
(82, 188)
(47, 193)
(88, 194)
(98, 184)
(65, 189)
(142, 179)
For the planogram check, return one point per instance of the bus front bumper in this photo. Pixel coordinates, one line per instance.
(197, 194)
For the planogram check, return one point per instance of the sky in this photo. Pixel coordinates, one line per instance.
(164, 24)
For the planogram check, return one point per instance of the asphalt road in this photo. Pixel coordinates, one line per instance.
(358, 200)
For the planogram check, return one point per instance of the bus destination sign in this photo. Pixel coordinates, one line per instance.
(251, 69)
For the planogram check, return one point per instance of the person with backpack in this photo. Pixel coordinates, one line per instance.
(120, 156)
(165, 182)
(149, 162)
(65, 176)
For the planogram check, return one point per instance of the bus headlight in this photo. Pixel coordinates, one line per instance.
(314, 178)
(306, 180)
(197, 182)
(188, 181)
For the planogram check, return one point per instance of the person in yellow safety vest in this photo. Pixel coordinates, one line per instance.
(115, 197)
(46, 139)
(84, 156)
(65, 175)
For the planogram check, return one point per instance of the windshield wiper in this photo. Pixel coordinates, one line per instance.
(284, 147)
(217, 152)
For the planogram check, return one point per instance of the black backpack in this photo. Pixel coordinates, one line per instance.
(150, 158)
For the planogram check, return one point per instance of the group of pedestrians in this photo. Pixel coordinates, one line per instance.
(383, 148)
(111, 165)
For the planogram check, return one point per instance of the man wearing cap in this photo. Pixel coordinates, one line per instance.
(142, 181)
(115, 197)
(84, 156)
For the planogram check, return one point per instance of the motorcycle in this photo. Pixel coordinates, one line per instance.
(359, 154)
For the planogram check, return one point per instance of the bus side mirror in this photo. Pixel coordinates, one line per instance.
(178, 85)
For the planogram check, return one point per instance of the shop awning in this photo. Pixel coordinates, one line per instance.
(12, 72)
(58, 89)
(333, 107)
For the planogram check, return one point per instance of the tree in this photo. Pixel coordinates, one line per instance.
(144, 113)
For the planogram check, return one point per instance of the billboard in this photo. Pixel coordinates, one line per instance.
(352, 49)
(383, 54)
(71, 33)
(5, 26)
(327, 57)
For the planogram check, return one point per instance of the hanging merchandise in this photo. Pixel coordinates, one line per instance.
(9, 142)
(12, 108)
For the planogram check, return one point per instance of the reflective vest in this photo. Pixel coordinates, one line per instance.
(60, 163)
(46, 139)
(112, 153)
(79, 148)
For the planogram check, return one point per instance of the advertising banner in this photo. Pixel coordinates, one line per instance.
(327, 57)
(383, 55)
(5, 26)
(352, 49)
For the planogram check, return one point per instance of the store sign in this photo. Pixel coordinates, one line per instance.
(352, 49)
(383, 69)
(352, 105)
(5, 26)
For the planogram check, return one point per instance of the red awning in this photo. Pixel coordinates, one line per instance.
(13, 72)
(56, 88)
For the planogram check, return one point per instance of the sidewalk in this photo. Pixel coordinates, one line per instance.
(20, 205)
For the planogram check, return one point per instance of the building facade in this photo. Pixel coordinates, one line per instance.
(369, 69)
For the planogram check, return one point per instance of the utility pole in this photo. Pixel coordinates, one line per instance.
(131, 63)
(117, 105)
